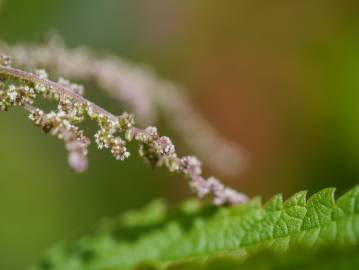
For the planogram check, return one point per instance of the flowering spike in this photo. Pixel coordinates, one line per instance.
(140, 90)
(20, 88)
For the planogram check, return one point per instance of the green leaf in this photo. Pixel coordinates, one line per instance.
(163, 236)
(324, 258)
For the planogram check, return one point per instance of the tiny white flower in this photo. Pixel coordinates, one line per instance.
(42, 74)
(12, 95)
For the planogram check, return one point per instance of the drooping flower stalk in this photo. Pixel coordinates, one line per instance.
(140, 90)
(21, 88)
(58, 124)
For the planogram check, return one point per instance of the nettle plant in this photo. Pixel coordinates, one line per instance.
(233, 232)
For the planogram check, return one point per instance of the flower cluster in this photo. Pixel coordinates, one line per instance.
(18, 87)
(139, 89)
(106, 136)
(58, 124)
(11, 95)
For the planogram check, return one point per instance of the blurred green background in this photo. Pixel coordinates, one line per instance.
(279, 77)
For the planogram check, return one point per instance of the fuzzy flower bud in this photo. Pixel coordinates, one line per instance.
(42, 74)
(191, 165)
(5, 60)
(125, 121)
(165, 146)
(77, 155)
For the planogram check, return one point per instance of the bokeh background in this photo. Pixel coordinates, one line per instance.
(279, 77)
